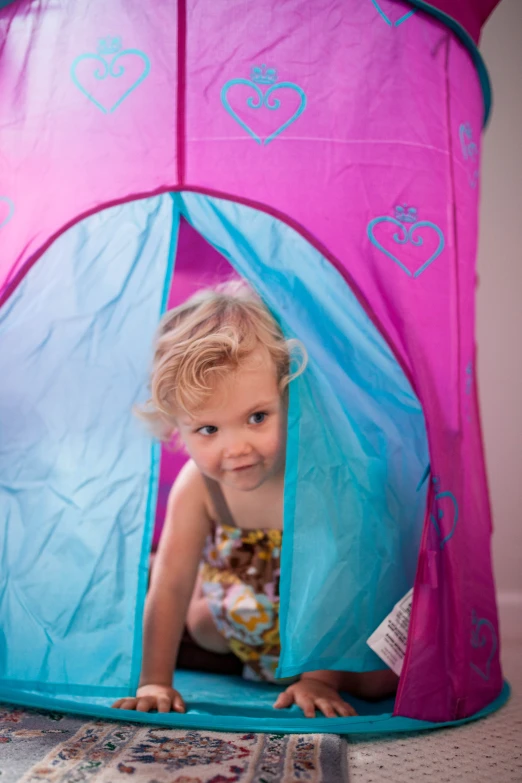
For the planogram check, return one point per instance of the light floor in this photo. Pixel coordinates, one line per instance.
(486, 751)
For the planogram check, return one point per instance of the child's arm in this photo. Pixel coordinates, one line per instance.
(173, 578)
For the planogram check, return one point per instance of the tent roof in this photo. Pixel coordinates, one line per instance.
(470, 14)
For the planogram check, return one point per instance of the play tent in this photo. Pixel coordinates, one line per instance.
(328, 152)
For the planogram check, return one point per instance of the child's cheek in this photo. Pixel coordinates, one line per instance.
(206, 449)
(273, 444)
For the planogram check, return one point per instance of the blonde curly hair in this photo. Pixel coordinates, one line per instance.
(202, 340)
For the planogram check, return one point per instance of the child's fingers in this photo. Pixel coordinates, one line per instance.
(326, 708)
(146, 704)
(331, 709)
(179, 704)
(285, 699)
(164, 703)
(307, 705)
(125, 704)
(344, 709)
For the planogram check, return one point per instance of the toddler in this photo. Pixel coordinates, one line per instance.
(219, 381)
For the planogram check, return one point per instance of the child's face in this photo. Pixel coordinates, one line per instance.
(238, 436)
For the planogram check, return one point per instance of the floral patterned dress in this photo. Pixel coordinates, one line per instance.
(240, 579)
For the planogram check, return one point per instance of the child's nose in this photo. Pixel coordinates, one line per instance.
(237, 447)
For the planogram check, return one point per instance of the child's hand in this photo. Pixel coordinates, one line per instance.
(311, 695)
(153, 697)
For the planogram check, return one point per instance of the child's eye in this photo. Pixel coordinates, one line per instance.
(257, 418)
(208, 429)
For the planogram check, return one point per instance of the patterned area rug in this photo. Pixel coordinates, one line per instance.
(39, 747)
(50, 748)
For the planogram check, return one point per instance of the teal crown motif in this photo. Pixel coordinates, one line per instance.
(263, 75)
(107, 64)
(408, 233)
(406, 214)
(109, 45)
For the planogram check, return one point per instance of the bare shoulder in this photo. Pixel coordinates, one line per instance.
(188, 484)
(186, 528)
(189, 477)
(188, 495)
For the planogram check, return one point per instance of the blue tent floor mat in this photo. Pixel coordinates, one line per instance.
(218, 702)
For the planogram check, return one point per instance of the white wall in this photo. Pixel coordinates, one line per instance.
(500, 303)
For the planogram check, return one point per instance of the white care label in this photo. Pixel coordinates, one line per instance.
(389, 640)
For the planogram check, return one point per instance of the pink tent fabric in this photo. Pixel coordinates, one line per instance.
(377, 135)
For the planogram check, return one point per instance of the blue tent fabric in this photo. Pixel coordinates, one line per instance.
(78, 344)
(224, 703)
(356, 446)
(76, 466)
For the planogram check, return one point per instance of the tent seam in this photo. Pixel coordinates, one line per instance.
(181, 92)
(470, 44)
